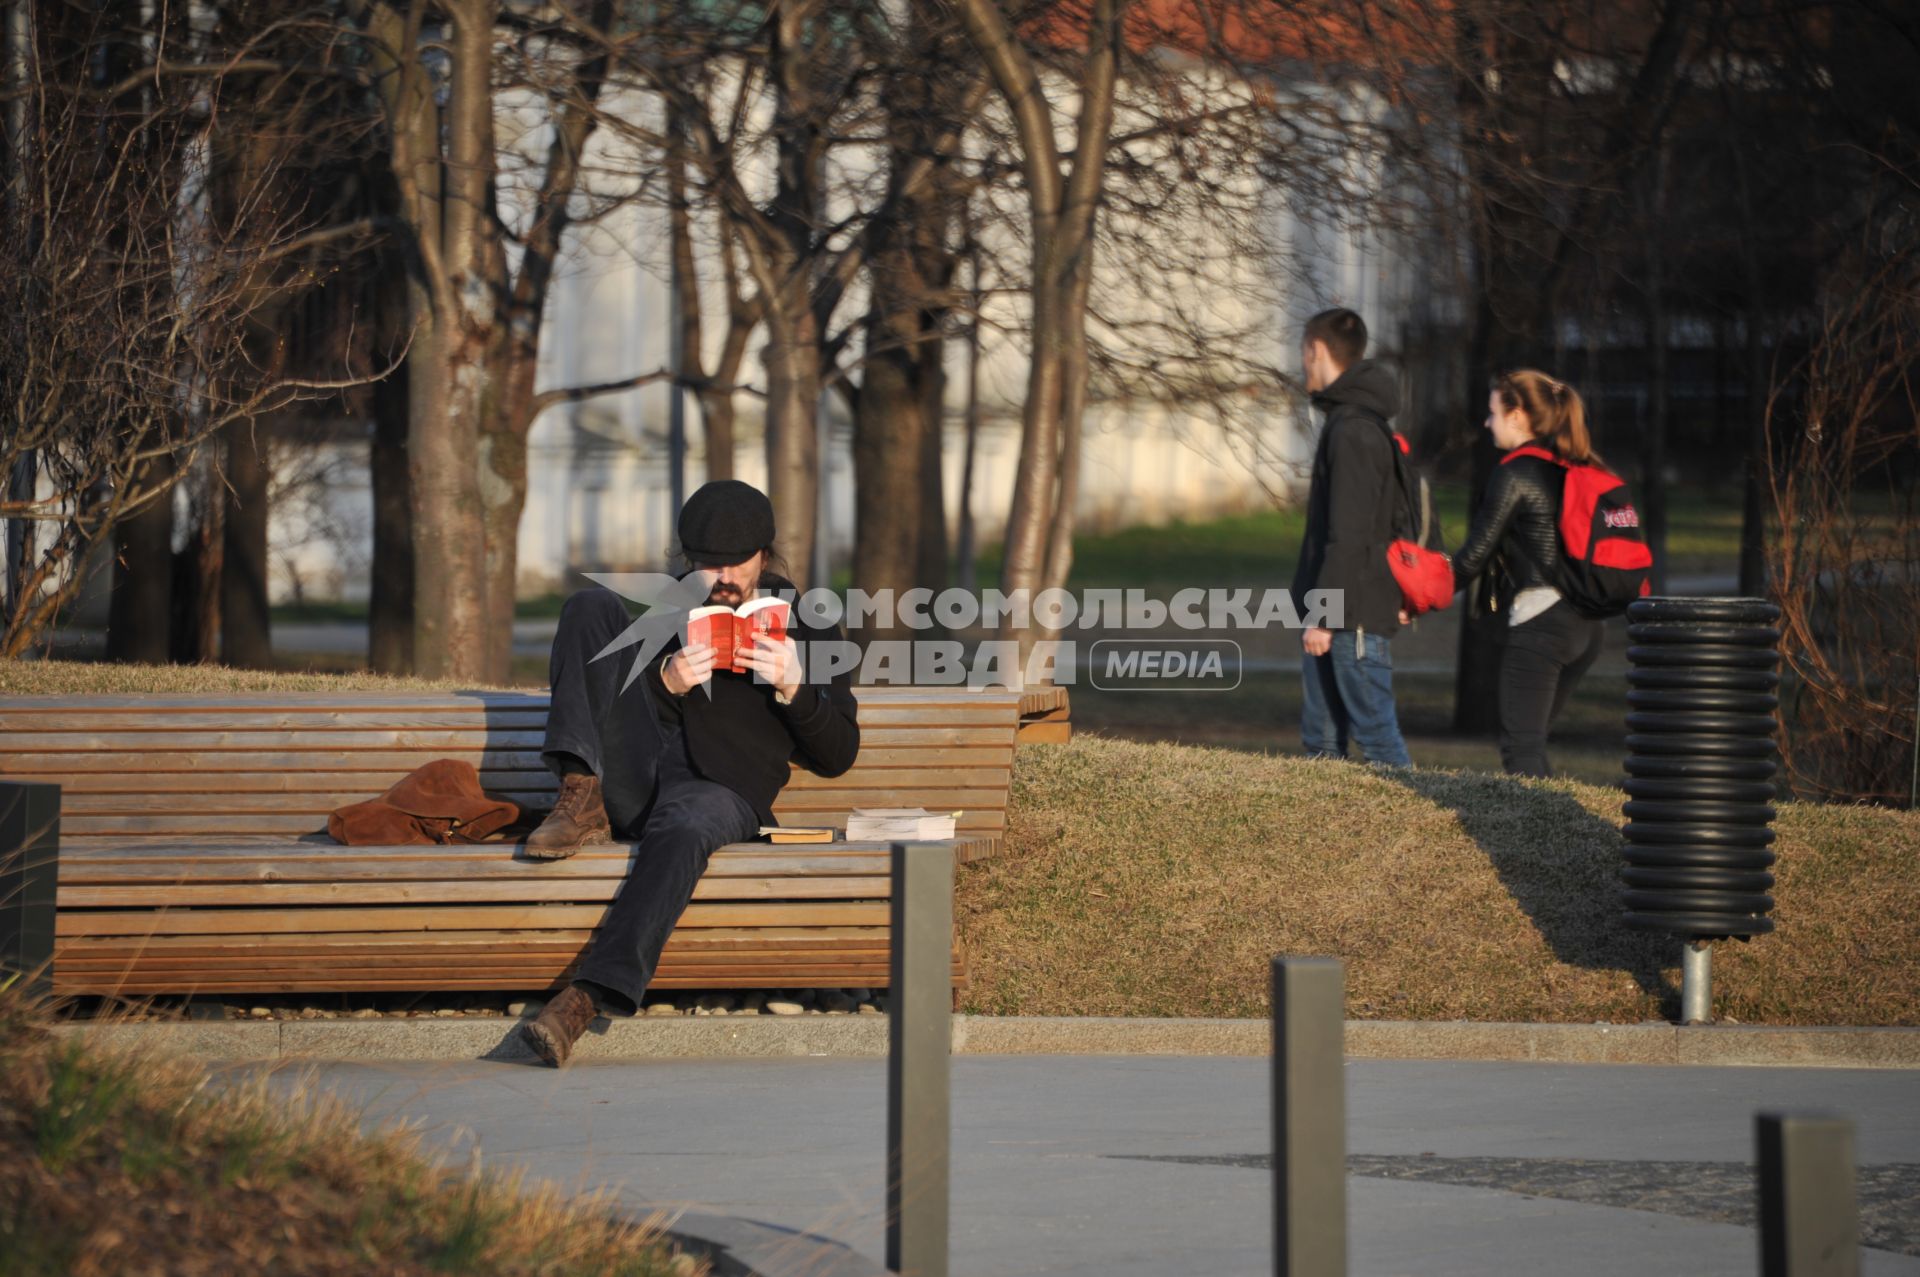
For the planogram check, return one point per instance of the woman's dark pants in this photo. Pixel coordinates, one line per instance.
(1543, 660)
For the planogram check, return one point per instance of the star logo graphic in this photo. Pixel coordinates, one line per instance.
(667, 600)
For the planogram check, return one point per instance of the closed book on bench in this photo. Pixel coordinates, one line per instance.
(797, 833)
(899, 824)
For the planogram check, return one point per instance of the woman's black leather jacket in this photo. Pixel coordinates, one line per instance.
(1516, 528)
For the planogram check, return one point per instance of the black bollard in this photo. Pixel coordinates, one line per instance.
(29, 874)
(1700, 768)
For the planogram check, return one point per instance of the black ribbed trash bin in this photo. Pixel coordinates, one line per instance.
(1701, 759)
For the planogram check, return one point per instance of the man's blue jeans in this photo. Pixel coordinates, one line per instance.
(1349, 692)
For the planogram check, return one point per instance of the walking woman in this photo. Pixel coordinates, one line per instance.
(1549, 645)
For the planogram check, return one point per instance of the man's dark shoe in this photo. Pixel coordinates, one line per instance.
(559, 1025)
(578, 818)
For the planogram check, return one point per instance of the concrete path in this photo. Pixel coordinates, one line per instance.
(1154, 1166)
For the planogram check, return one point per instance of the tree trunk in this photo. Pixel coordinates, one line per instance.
(209, 557)
(449, 562)
(1753, 515)
(1653, 452)
(139, 611)
(1476, 680)
(390, 601)
(503, 487)
(901, 529)
(717, 411)
(784, 261)
(793, 448)
(965, 551)
(1062, 212)
(931, 571)
(447, 287)
(716, 423)
(246, 638)
(887, 430)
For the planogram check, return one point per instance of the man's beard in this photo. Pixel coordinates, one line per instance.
(730, 595)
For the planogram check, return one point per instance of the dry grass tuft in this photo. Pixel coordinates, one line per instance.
(120, 1161)
(1155, 880)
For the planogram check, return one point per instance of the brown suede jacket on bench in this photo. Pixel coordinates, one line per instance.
(438, 802)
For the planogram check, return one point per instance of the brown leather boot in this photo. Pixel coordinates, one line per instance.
(559, 1025)
(578, 817)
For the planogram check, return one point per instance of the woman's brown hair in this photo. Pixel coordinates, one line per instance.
(1554, 411)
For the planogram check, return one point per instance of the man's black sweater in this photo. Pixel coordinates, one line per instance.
(742, 738)
(1350, 500)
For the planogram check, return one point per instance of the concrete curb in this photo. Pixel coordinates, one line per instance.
(735, 1247)
(660, 1037)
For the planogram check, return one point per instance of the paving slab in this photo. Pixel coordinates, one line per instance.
(1146, 1166)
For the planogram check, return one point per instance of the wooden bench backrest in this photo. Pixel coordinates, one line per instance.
(273, 765)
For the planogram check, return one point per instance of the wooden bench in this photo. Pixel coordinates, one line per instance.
(193, 857)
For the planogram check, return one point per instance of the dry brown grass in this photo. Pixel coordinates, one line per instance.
(116, 1162)
(1154, 880)
(85, 678)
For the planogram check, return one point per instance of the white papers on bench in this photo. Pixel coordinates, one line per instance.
(899, 824)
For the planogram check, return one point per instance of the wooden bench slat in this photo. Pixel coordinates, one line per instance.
(178, 802)
(909, 729)
(396, 764)
(147, 894)
(391, 763)
(94, 850)
(297, 823)
(541, 781)
(325, 981)
(474, 701)
(719, 940)
(459, 918)
(502, 973)
(76, 871)
(321, 802)
(293, 726)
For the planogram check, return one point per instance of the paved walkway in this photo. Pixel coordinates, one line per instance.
(1154, 1166)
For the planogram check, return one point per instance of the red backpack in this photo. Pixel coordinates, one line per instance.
(1423, 573)
(1604, 562)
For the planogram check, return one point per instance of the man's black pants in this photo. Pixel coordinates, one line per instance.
(652, 793)
(1544, 658)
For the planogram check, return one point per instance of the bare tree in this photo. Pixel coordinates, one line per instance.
(1844, 434)
(127, 303)
(1063, 202)
(741, 307)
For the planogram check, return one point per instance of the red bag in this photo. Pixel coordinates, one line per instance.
(1424, 575)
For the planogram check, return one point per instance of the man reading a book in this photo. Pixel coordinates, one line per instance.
(687, 758)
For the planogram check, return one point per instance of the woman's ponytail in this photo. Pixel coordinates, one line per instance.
(1554, 410)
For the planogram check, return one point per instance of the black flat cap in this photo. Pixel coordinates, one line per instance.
(725, 521)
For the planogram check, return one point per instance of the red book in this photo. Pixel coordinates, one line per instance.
(729, 631)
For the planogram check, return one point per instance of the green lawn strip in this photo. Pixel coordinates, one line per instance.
(1158, 880)
(1260, 548)
(123, 1161)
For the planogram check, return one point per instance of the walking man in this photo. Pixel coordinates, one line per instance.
(1347, 673)
(686, 759)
